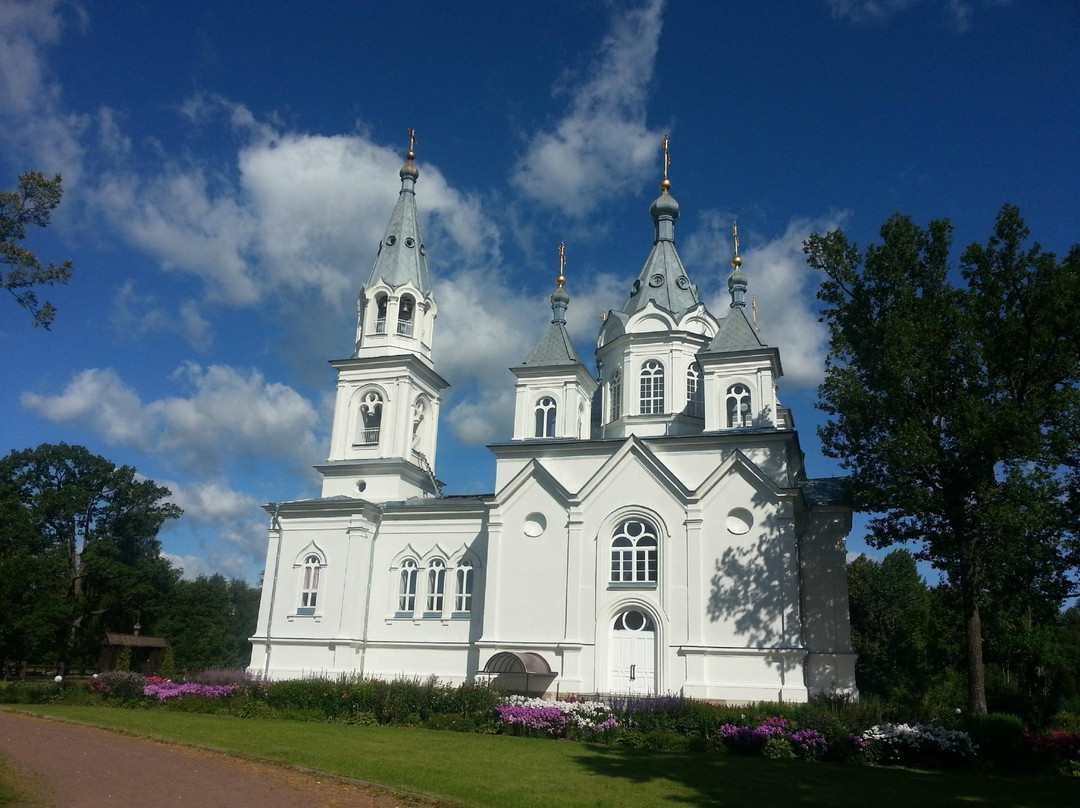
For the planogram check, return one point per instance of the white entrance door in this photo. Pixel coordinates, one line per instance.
(633, 654)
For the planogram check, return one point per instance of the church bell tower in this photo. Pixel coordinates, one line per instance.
(386, 412)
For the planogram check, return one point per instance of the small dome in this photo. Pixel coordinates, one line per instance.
(409, 170)
(736, 279)
(665, 205)
(560, 295)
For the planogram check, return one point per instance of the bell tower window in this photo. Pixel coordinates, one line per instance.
(371, 407)
(652, 388)
(738, 406)
(545, 418)
(406, 309)
(380, 316)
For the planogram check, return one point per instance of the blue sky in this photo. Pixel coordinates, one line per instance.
(229, 169)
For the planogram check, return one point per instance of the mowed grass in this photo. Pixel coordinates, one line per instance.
(497, 771)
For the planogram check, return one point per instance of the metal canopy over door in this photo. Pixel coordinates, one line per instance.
(633, 653)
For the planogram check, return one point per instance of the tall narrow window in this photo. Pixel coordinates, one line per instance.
(419, 412)
(463, 589)
(436, 586)
(695, 391)
(380, 316)
(545, 418)
(739, 412)
(406, 307)
(371, 406)
(309, 592)
(652, 388)
(634, 553)
(407, 587)
(615, 393)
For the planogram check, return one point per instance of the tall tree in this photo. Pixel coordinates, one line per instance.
(207, 622)
(953, 405)
(81, 535)
(21, 272)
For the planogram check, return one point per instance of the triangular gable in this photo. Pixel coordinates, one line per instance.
(533, 470)
(633, 448)
(737, 462)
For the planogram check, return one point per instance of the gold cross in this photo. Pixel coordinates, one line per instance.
(667, 154)
(735, 233)
(561, 280)
(412, 142)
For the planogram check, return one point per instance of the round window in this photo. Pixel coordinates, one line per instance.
(409, 242)
(391, 240)
(739, 521)
(535, 525)
(656, 280)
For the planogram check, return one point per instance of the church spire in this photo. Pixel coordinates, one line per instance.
(402, 254)
(560, 299)
(737, 281)
(663, 278)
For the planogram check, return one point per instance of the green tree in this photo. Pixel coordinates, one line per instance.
(890, 626)
(79, 551)
(32, 203)
(953, 406)
(207, 622)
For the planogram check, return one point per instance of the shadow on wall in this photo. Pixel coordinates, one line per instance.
(754, 588)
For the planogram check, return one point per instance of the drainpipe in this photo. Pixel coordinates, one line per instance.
(275, 523)
(367, 594)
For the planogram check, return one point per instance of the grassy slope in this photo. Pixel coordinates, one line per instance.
(482, 771)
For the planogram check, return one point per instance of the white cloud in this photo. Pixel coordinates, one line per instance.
(33, 123)
(231, 415)
(136, 315)
(602, 145)
(959, 12)
(780, 280)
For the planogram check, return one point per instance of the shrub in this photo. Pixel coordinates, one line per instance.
(164, 690)
(777, 748)
(998, 736)
(119, 685)
(918, 743)
(1056, 751)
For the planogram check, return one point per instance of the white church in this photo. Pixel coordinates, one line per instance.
(653, 529)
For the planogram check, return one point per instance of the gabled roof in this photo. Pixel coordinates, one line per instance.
(662, 279)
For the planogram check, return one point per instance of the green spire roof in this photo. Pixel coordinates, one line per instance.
(402, 255)
(735, 334)
(663, 278)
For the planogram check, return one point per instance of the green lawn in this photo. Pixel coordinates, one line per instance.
(483, 770)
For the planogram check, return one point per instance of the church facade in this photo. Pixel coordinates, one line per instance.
(652, 530)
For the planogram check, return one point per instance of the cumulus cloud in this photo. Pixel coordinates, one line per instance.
(34, 124)
(229, 414)
(602, 144)
(779, 279)
(228, 525)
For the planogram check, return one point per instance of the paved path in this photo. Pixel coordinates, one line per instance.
(75, 766)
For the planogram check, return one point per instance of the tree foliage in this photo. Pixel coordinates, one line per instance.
(79, 553)
(21, 272)
(207, 622)
(954, 407)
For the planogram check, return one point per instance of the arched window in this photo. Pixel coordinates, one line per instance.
(407, 587)
(695, 391)
(419, 412)
(634, 553)
(616, 394)
(436, 586)
(371, 406)
(380, 316)
(545, 418)
(652, 388)
(309, 591)
(406, 307)
(463, 590)
(738, 406)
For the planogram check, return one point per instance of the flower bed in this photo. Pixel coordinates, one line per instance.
(532, 716)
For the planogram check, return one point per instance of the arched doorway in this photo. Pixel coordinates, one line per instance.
(633, 653)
